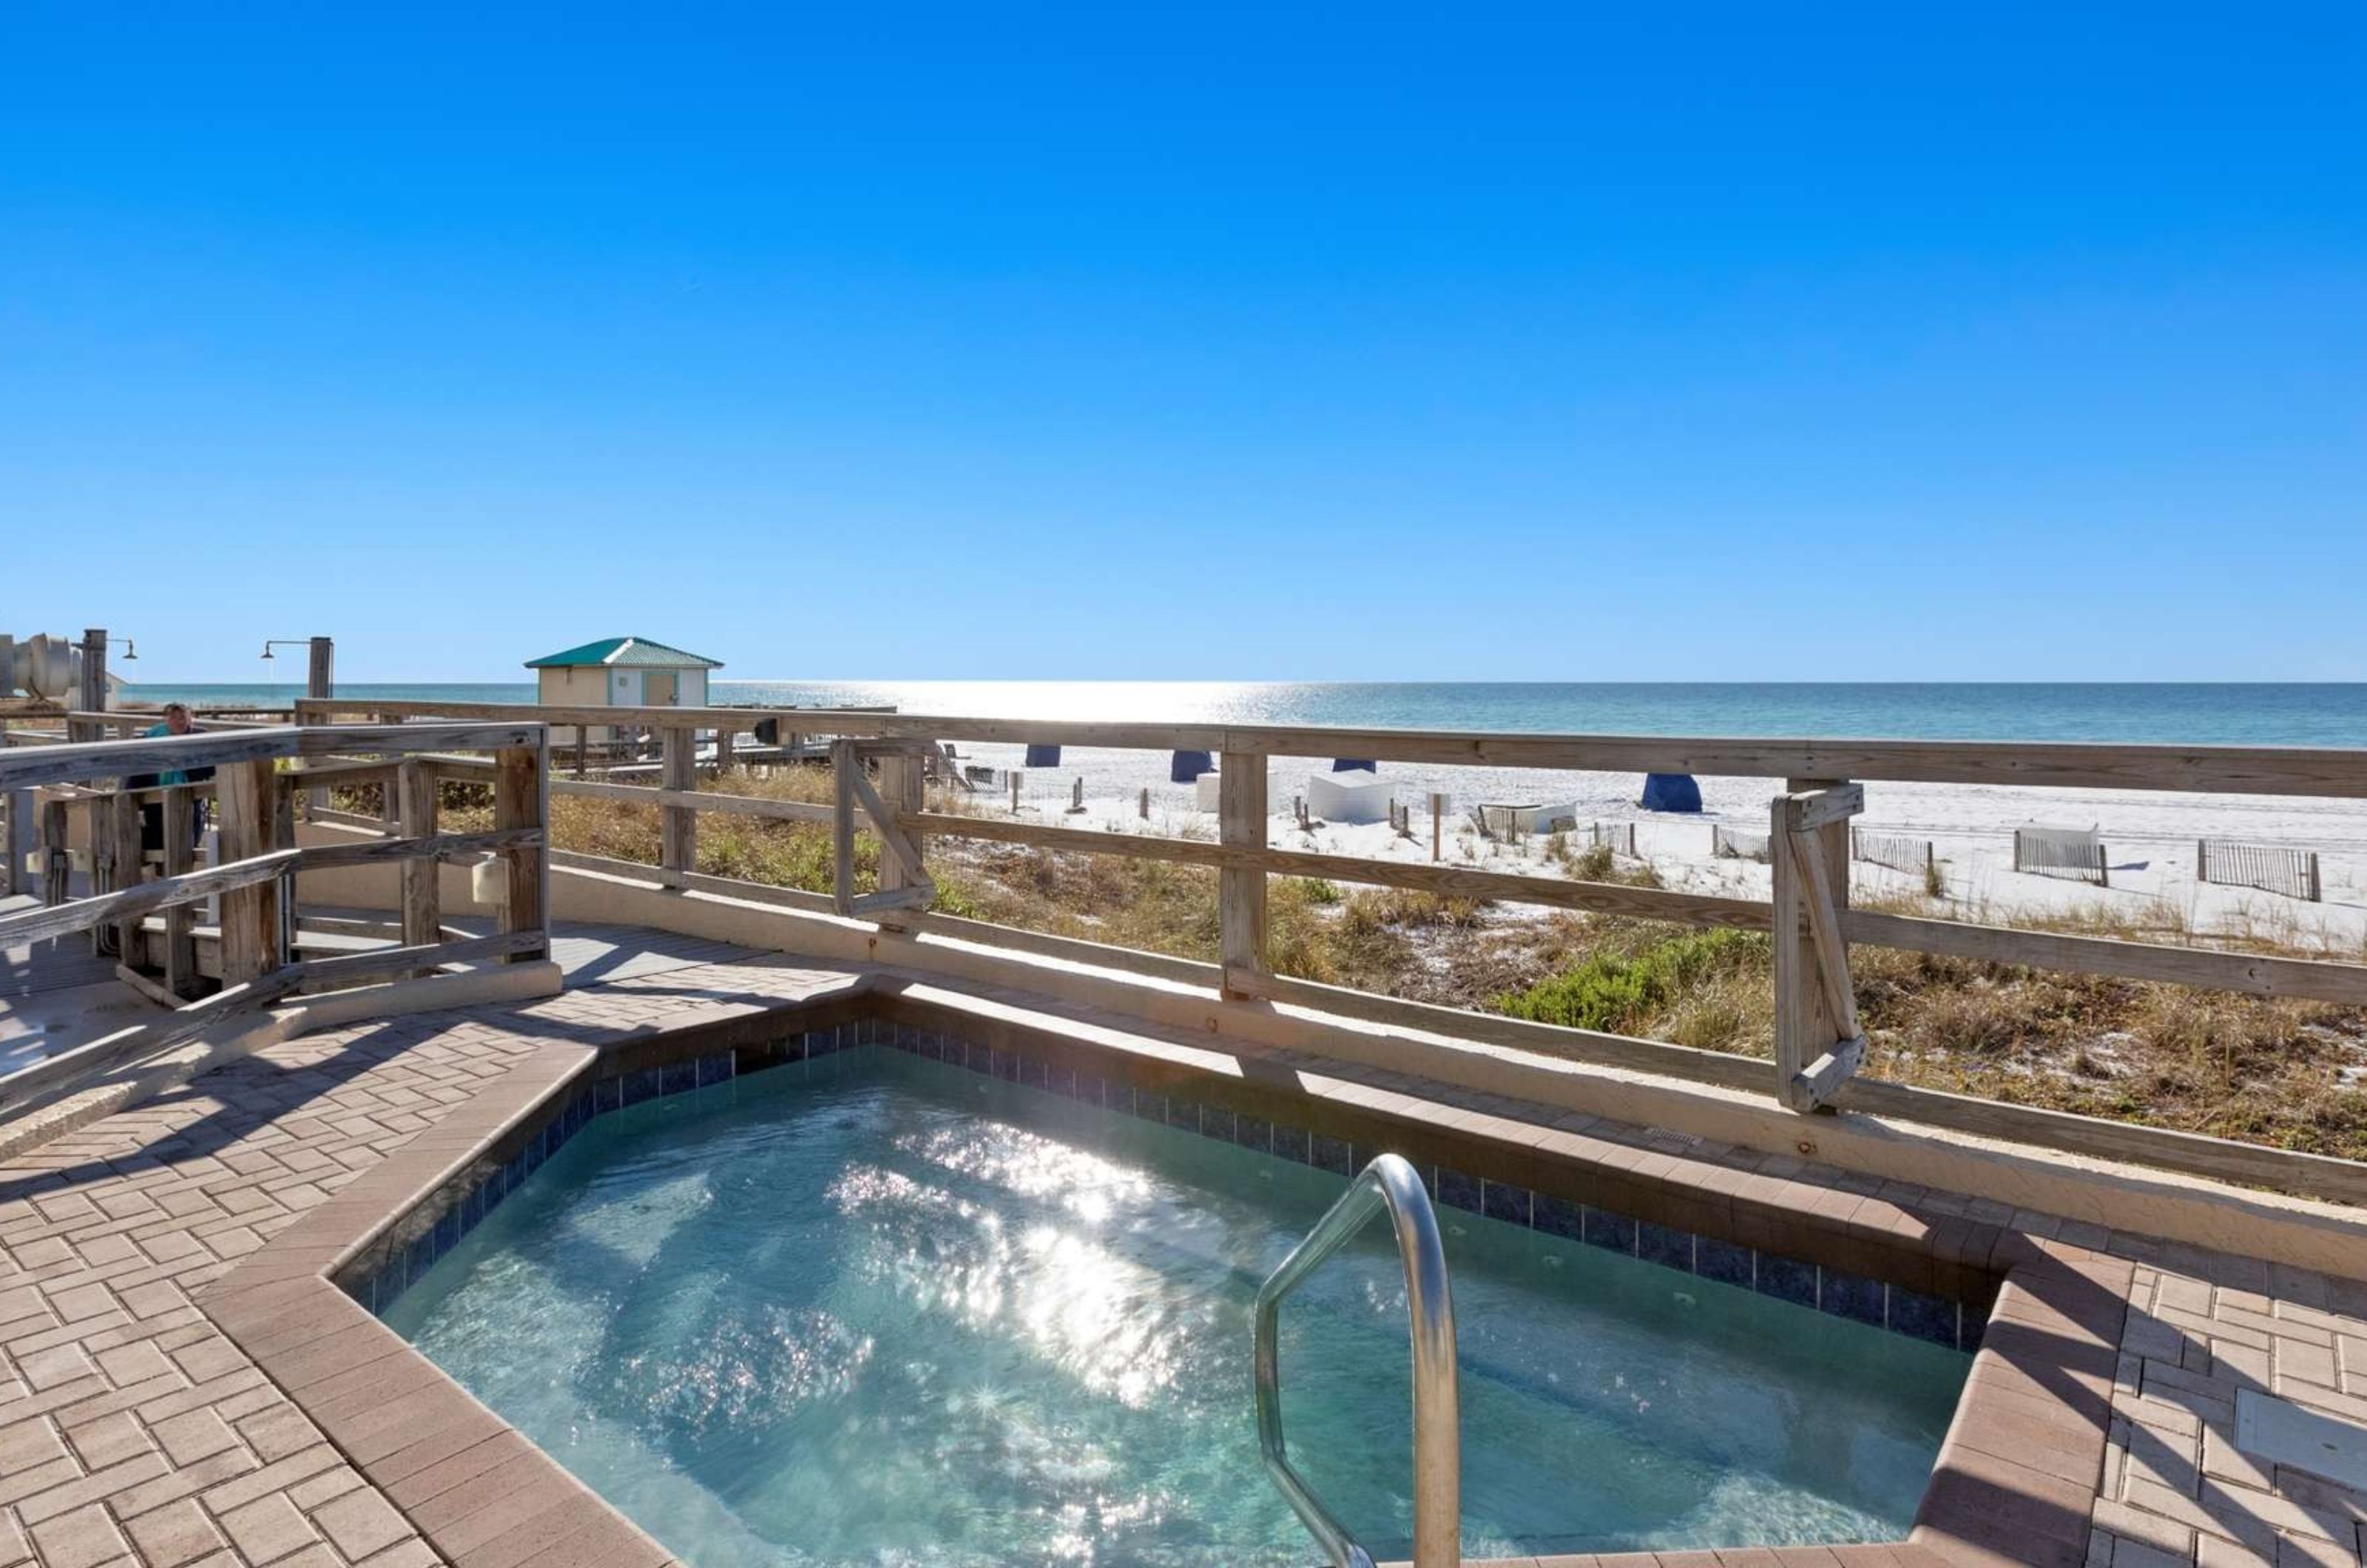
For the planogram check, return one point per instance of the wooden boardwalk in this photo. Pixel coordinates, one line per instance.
(56, 995)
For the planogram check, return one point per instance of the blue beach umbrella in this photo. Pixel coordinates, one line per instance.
(1187, 766)
(1042, 756)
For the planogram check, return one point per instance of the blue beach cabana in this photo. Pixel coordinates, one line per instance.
(1670, 791)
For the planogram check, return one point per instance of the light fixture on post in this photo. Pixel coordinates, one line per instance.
(318, 682)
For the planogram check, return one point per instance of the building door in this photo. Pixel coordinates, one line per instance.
(658, 688)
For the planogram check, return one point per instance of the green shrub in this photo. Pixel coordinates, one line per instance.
(1615, 991)
(1592, 863)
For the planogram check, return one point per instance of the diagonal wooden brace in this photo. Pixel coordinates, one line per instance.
(856, 793)
(1821, 1046)
(893, 837)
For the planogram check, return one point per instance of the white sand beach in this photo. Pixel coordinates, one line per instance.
(2150, 837)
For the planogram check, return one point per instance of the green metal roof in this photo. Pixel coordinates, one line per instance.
(629, 652)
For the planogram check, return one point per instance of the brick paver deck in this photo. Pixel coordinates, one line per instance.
(133, 1428)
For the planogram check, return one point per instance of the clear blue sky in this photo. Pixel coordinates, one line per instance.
(1579, 341)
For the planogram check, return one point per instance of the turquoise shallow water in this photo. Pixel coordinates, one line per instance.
(876, 1310)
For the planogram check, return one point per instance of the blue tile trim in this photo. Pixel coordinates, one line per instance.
(1787, 1280)
(1661, 1244)
(1920, 1316)
(1557, 1216)
(1934, 1319)
(1457, 1190)
(1725, 1262)
(1616, 1232)
(1847, 1295)
(1510, 1204)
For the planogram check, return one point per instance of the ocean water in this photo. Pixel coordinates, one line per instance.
(879, 1311)
(2325, 714)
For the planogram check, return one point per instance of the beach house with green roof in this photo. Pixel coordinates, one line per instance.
(621, 673)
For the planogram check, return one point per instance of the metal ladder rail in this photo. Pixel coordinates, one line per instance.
(1392, 1183)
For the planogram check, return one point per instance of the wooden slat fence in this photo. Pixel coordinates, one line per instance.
(1619, 836)
(2075, 852)
(2272, 868)
(1917, 857)
(1819, 1048)
(1738, 843)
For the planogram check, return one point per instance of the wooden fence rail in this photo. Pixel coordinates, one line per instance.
(1821, 1046)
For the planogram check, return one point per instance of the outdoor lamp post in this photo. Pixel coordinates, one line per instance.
(318, 681)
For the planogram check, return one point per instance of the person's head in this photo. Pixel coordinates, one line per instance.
(177, 719)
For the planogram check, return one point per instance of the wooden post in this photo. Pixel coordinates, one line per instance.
(1240, 891)
(23, 843)
(319, 682)
(320, 677)
(92, 692)
(102, 864)
(128, 871)
(678, 825)
(2316, 887)
(901, 788)
(845, 762)
(1077, 797)
(522, 799)
(390, 810)
(180, 920)
(1017, 779)
(422, 914)
(1146, 803)
(1437, 822)
(283, 837)
(722, 752)
(581, 730)
(56, 858)
(1805, 1024)
(250, 915)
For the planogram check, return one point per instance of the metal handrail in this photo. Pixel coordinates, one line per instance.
(1437, 1424)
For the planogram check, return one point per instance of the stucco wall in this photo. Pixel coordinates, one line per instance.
(574, 688)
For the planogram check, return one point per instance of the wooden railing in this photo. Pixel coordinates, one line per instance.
(1819, 1045)
(259, 859)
